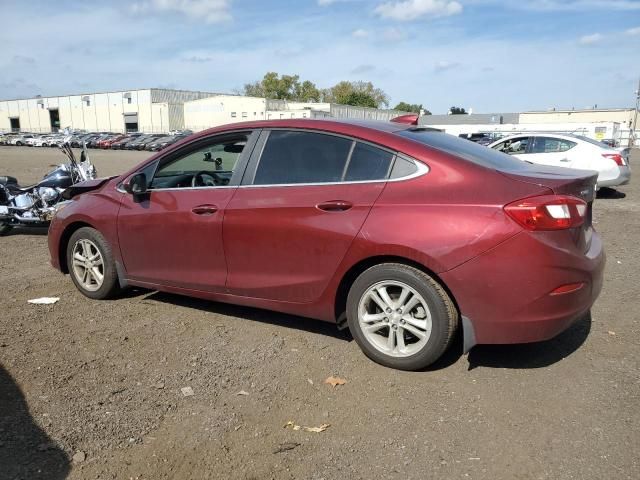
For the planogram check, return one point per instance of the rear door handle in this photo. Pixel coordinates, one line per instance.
(204, 209)
(335, 206)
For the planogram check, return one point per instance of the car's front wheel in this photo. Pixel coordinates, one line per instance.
(5, 228)
(91, 264)
(400, 316)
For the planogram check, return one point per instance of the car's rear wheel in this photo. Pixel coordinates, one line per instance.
(91, 264)
(400, 316)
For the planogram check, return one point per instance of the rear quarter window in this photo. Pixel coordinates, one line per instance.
(472, 152)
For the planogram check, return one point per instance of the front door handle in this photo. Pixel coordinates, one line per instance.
(335, 206)
(204, 209)
(564, 159)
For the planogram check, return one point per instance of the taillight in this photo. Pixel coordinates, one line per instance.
(616, 157)
(548, 212)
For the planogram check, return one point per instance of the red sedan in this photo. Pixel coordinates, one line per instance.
(403, 234)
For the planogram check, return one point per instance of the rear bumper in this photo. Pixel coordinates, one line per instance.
(506, 292)
(624, 176)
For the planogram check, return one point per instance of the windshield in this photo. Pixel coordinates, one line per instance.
(470, 151)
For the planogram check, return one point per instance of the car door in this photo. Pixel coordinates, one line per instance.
(172, 235)
(547, 150)
(303, 201)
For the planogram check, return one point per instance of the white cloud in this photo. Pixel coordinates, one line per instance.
(633, 31)
(591, 39)
(444, 65)
(211, 11)
(361, 69)
(360, 33)
(406, 10)
(562, 5)
(394, 34)
(324, 3)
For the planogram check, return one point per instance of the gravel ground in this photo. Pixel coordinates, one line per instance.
(93, 389)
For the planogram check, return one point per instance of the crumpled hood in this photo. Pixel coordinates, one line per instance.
(85, 186)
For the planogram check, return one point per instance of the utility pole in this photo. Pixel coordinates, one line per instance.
(632, 133)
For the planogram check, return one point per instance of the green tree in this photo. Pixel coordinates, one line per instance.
(360, 99)
(285, 87)
(359, 93)
(307, 92)
(457, 111)
(411, 107)
(289, 87)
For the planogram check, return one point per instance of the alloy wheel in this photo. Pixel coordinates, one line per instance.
(88, 265)
(394, 318)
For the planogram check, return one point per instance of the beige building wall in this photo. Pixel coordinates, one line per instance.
(222, 109)
(622, 116)
(157, 110)
(282, 114)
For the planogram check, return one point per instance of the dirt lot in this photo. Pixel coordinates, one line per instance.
(93, 389)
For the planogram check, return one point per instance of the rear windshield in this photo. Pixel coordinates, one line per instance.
(470, 151)
(592, 141)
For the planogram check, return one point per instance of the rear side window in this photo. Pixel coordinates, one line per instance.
(302, 157)
(368, 163)
(472, 152)
(551, 145)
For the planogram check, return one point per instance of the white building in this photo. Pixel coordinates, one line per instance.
(157, 110)
(147, 110)
(222, 109)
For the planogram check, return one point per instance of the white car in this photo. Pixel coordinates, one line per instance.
(49, 141)
(41, 141)
(19, 139)
(571, 151)
(30, 141)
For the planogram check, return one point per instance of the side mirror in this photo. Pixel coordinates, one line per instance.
(137, 184)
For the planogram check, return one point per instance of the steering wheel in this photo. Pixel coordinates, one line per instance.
(203, 179)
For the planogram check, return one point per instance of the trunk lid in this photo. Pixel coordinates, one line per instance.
(565, 181)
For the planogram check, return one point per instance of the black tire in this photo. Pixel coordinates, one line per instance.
(18, 144)
(5, 229)
(444, 315)
(110, 284)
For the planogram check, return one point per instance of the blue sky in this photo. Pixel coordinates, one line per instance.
(488, 55)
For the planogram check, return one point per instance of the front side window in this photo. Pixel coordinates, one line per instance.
(513, 146)
(210, 165)
(302, 157)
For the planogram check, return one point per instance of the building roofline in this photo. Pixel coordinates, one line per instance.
(581, 110)
(115, 91)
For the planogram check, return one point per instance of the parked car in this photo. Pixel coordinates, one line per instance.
(20, 140)
(121, 144)
(135, 143)
(163, 142)
(143, 142)
(571, 151)
(403, 235)
(42, 141)
(93, 143)
(479, 138)
(107, 142)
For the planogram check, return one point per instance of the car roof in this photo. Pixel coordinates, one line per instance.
(566, 136)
